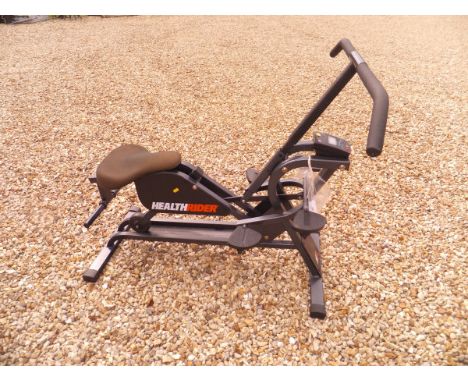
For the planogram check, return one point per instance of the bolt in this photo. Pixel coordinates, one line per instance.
(342, 167)
(194, 187)
(284, 169)
(266, 237)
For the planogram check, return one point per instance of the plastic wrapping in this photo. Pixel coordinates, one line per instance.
(316, 191)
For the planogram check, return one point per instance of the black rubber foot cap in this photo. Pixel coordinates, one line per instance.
(91, 275)
(317, 311)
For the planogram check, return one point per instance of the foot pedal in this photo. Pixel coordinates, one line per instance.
(244, 237)
(308, 222)
(251, 174)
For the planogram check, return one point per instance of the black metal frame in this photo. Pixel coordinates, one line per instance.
(256, 225)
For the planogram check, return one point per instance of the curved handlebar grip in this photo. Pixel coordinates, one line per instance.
(375, 138)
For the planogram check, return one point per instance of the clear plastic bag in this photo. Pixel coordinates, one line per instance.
(316, 191)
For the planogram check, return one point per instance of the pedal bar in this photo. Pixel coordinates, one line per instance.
(102, 206)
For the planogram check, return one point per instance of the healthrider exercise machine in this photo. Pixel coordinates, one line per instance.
(267, 209)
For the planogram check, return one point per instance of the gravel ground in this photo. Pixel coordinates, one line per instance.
(226, 92)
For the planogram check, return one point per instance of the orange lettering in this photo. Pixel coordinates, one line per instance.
(210, 208)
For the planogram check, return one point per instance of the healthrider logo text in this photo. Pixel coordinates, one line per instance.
(185, 207)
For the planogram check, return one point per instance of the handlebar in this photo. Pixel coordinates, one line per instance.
(375, 138)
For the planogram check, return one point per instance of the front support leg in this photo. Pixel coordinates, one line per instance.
(93, 272)
(317, 304)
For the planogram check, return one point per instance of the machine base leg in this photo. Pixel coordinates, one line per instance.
(317, 304)
(91, 275)
(93, 272)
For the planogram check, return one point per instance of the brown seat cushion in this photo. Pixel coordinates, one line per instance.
(127, 163)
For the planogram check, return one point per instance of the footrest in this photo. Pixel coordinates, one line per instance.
(244, 237)
(308, 222)
(102, 206)
(251, 174)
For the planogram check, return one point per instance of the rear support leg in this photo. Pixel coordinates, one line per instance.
(93, 272)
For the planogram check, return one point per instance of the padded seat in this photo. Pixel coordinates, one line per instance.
(127, 163)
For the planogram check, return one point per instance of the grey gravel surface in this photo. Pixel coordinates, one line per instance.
(226, 92)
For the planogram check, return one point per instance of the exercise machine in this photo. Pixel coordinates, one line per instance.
(268, 211)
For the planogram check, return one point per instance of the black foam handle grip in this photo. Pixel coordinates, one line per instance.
(375, 138)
